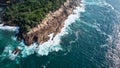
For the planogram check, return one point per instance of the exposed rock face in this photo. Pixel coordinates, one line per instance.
(16, 50)
(53, 23)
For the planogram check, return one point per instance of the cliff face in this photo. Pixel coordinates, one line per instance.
(53, 23)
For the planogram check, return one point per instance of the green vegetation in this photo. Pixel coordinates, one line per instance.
(28, 13)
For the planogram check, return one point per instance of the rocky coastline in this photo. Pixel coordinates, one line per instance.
(53, 23)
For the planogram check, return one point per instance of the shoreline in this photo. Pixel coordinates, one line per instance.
(52, 24)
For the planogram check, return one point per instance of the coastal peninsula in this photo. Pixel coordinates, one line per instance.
(38, 18)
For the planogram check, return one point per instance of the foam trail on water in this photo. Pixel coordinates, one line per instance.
(113, 54)
(7, 53)
(98, 2)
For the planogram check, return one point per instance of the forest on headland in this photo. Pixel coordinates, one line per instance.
(28, 13)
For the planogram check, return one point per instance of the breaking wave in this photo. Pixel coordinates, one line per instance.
(9, 28)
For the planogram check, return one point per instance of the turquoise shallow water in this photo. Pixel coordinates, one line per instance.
(92, 42)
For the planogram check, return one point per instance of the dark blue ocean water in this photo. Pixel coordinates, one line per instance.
(93, 41)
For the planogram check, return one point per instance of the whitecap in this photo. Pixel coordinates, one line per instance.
(9, 28)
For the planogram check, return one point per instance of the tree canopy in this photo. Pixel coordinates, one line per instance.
(28, 13)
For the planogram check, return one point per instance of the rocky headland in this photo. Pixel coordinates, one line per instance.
(52, 23)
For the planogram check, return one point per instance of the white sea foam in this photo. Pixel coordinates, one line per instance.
(14, 38)
(50, 45)
(113, 40)
(98, 2)
(8, 53)
(73, 41)
(113, 54)
(9, 28)
(12, 56)
(28, 50)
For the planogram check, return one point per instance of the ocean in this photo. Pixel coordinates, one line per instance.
(90, 38)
